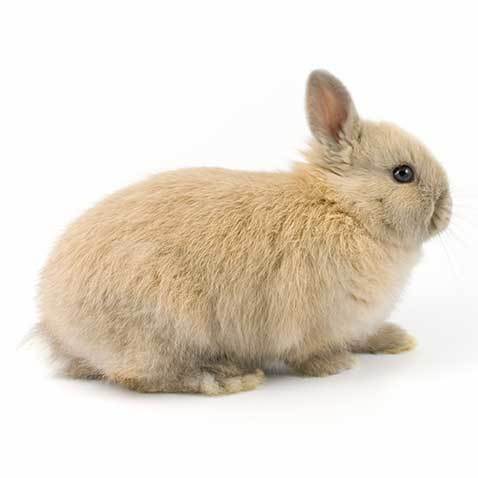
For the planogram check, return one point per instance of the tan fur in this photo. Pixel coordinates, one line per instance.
(389, 339)
(193, 280)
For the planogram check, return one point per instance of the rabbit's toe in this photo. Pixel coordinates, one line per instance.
(219, 384)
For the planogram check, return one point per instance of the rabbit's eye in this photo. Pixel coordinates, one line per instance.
(403, 174)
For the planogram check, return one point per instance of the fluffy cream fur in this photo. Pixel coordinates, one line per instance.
(193, 280)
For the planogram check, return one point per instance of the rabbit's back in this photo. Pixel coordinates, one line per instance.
(177, 254)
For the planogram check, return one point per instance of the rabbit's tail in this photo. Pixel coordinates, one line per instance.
(51, 352)
(37, 339)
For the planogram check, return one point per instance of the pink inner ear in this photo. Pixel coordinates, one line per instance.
(333, 109)
(329, 107)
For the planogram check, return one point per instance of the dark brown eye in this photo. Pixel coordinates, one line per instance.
(403, 174)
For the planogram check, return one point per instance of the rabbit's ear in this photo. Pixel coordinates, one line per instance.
(330, 109)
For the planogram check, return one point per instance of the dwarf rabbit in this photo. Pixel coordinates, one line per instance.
(194, 280)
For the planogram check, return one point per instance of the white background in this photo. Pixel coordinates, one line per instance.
(97, 94)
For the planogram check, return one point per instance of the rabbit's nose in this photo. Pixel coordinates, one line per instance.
(441, 212)
(443, 198)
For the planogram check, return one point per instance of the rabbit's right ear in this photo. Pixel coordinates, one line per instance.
(330, 110)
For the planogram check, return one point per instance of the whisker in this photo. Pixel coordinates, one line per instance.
(461, 205)
(465, 221)
(451, 264)
(450, 232)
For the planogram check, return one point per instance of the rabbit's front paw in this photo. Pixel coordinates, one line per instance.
(389, 339)
(323, 365)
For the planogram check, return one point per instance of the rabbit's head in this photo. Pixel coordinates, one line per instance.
(388, 178)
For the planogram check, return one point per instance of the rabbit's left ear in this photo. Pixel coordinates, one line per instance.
(330, 110)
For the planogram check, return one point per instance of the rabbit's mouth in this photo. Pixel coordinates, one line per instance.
(442, 213)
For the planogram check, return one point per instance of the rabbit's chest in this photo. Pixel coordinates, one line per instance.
(367, 297)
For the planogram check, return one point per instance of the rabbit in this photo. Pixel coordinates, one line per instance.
(194, 280)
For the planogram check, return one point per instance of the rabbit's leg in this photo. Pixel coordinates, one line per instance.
(389, 339)
(216, 379)
(325, 364)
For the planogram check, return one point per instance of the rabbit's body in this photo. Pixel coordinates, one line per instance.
(194, 279)
(206, 263)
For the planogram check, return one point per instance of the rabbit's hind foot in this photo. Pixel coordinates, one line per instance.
(227, 378)
(218, 379)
